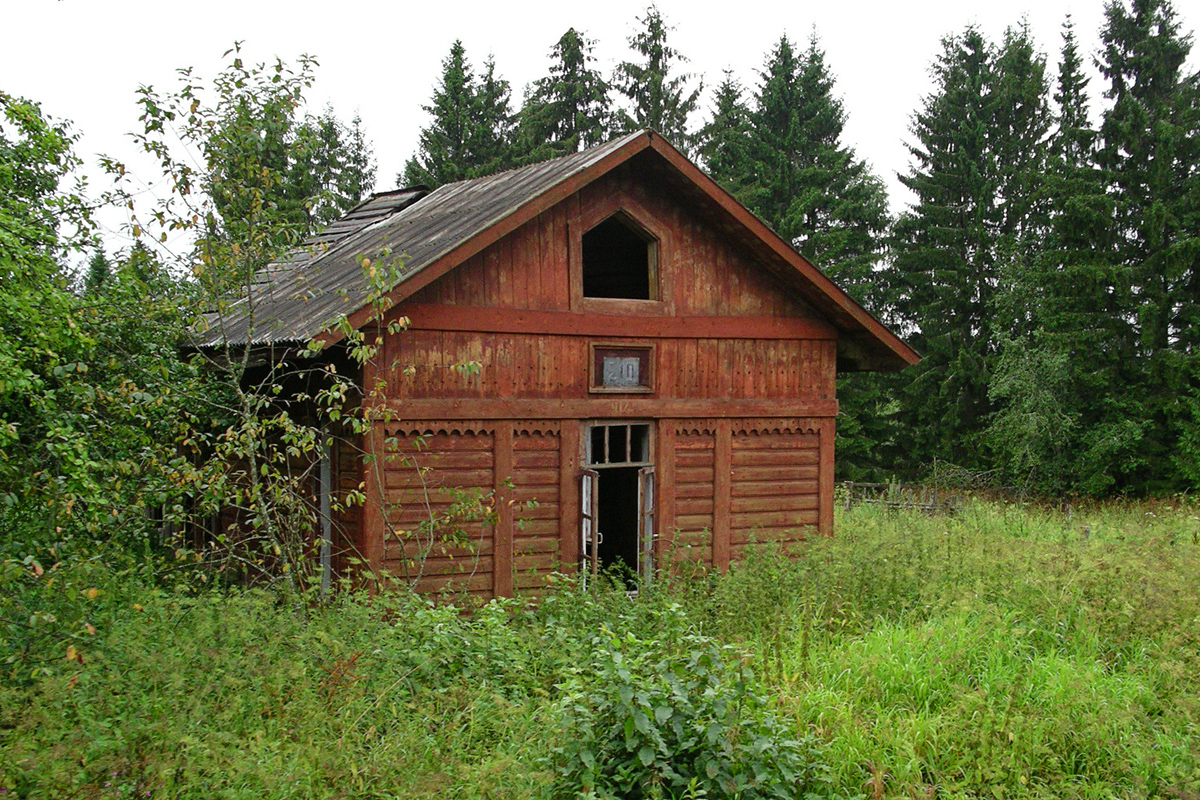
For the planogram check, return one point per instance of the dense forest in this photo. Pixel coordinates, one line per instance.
(1048, 267)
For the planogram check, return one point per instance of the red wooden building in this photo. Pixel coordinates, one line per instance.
(654, 368)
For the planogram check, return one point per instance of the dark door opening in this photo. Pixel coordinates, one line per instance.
(617, 504)
(617, 493)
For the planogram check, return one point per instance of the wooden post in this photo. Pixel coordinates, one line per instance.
(568, 495)
(374, 487)
(825, 477)
(502, 532)
(722, 493)
(665, 467)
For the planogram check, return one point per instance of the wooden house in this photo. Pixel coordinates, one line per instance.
(651, 370)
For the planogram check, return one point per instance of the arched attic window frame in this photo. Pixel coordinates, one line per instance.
(650, 231)
(619, 260)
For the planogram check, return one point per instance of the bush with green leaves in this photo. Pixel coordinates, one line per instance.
(640, 721)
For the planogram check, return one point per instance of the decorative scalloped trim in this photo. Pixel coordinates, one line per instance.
(442, 428)
(695, 427)
(538, 427)
(760, 427)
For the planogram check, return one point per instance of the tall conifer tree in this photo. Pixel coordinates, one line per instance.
(809, 185)
(661, 101)
(443, 149)
(1054, 378)
(491, 132)
(471, 131)
(1149, 147)
(975, 160)
(568, 110)
(725, 140)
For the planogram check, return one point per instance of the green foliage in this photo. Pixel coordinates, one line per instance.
(89, 384)
(661, 102)
(809, 185)
(1006, 651)
(471, 128)
(977, 158)
(250, 177)
(725, 140)
(569, 109)
(641, 723)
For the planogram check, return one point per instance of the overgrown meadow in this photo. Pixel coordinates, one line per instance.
(1003, 652)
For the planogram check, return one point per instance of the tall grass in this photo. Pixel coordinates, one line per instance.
(1003, 652)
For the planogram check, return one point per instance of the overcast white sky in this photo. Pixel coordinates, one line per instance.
(84, 59)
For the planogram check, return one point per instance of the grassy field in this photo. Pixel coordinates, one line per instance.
(1004, 652)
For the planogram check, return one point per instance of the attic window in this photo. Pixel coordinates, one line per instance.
(619, 261)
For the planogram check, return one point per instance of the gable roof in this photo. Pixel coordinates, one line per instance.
(303, 295)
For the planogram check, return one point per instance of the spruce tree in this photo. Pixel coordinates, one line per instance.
(808, 185)
(569, 109)
(443, 149)
(945, 261)
(1054, 379)
(1149, 146)
(660, 101)
(491, 132)
(725, 140)
(332, 170)
(811, 187)
(471, 131)
(357, 175)
(99, 273)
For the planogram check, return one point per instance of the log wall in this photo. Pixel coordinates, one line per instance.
(487, 394)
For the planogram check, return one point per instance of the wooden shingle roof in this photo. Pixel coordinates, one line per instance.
(304, 295)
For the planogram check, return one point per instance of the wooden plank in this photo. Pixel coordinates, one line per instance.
(478, 546)
(503, 528)
(777, 473)
(694, 506)
(767, 442)
(575, 257)
(479, 583)
(614, 408)
(371, 517)
(749, 520)
(772, 458)
(665, 489)
(436, 478)
(722, 473)
(508, 320)
(825, 478)
(796, 502)
(568, 494)
(778, 488)
(436, 566)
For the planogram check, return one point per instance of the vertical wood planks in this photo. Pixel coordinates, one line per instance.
(722, 494)
(502, 532)
(568, 493)
(371, 517)
(825, 477)
(665, 491)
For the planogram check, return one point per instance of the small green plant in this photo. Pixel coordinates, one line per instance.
(637, 722)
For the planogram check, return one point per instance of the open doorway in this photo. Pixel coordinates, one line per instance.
(618, 500)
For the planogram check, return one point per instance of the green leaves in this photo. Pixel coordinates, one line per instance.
(670, 716)
(469, 135)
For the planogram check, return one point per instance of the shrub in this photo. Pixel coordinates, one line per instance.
(640, 723)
